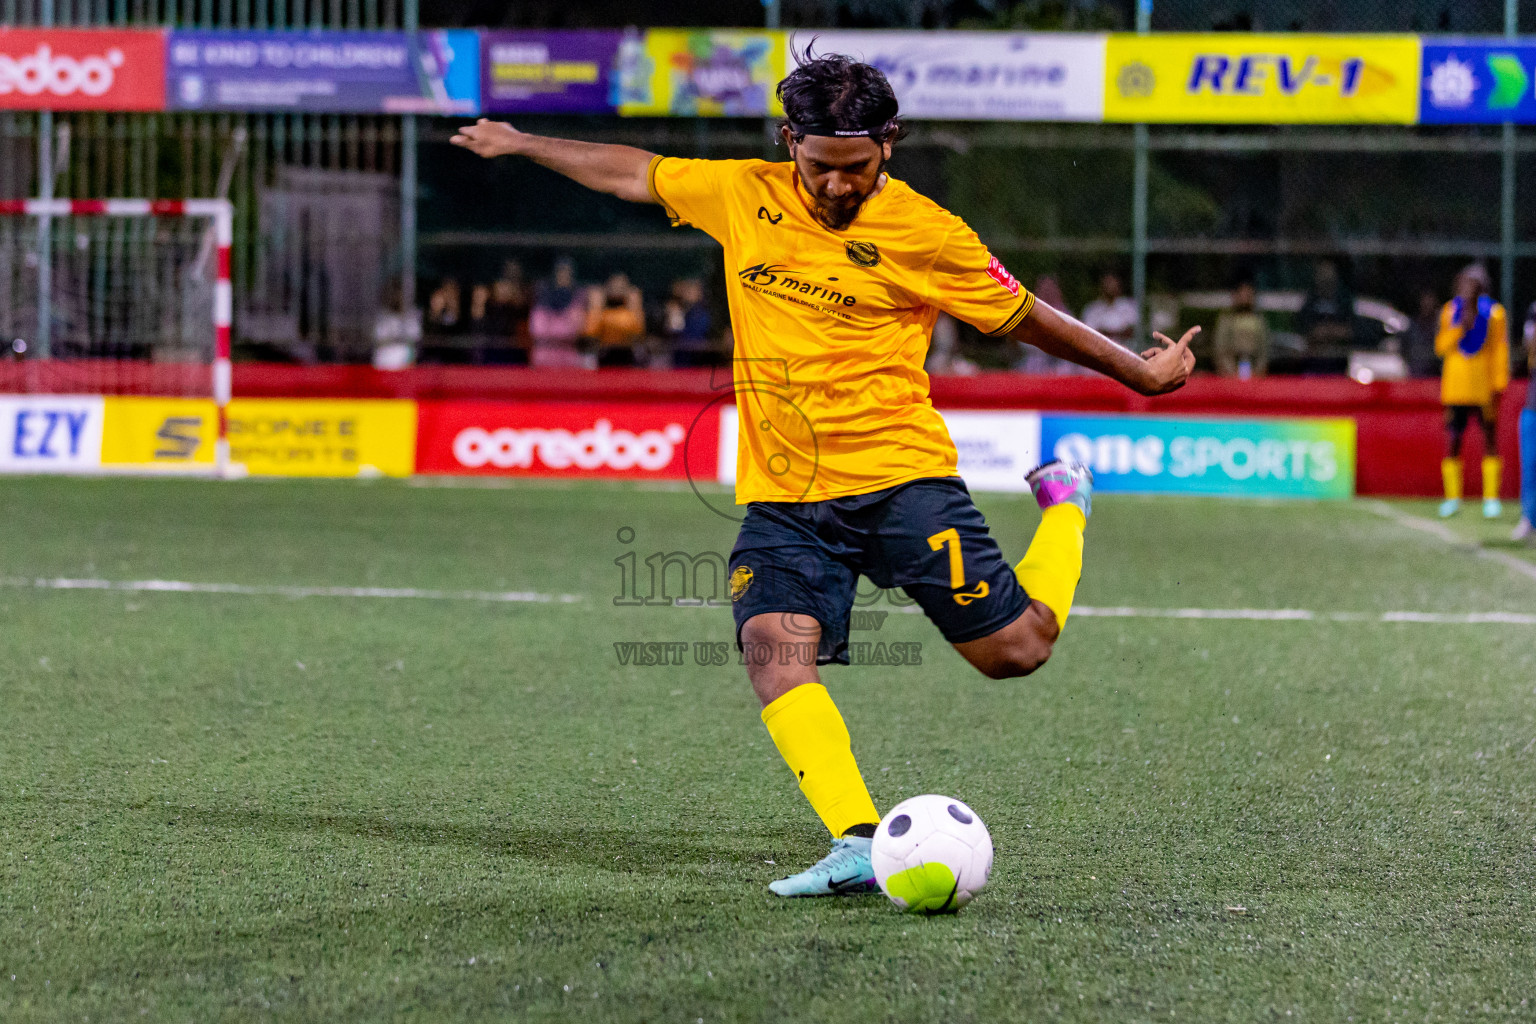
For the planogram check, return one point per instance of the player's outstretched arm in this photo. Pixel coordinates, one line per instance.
(617, 170)
(1156, 371)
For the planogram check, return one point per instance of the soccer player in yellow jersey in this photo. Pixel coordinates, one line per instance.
(1473, 341)
(837, 272)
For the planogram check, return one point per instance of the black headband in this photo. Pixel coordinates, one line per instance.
(877, 133)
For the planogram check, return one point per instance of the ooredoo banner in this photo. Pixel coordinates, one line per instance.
(1257, 458)
(326, 72)
(580, 439)
(983, 76)
(82, 69)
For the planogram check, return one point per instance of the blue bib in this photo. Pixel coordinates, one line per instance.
(1472, 341)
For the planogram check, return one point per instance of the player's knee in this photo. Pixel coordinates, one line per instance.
(1019, 658)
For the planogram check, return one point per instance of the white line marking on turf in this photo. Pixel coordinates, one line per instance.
(248, 590)
(1444, 533)
(531, 597)
(1292, 615)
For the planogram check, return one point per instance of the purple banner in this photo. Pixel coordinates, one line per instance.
(548, 72)
(325, 72)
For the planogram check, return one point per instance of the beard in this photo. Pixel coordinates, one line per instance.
(838, 214)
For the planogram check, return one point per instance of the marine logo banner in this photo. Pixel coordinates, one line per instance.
(982, 76)
(1231, 78)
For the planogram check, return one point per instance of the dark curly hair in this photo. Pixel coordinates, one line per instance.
(834, 90)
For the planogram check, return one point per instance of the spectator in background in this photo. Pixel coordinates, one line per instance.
(1113, 313)
(1047, 290)
(446, 324)
(445, 312)
(1418, 344)
(944, 358)
(1527, 524)
(498, 315)
(557, 320)
(1327, 316)
(1241, 345)
(687, 325)
(396, 331)
(1474, 344)
(616, 321)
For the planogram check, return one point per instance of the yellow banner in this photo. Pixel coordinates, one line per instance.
(268, 436)
(1234, 78)
(702, 73)
(159, 433)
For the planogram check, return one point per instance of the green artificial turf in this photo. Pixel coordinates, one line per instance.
(249, 806)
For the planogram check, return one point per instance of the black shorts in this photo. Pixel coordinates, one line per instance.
(807, 557)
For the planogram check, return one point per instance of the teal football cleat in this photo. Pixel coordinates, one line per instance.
(1057, 483)
(846, 871)
(1449, 507)
(1492, 508)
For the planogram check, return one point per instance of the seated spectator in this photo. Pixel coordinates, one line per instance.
(1241, 345)
(1327, 316)
(944, 358)
(616, 321)
(1113, 313)
(1047, 290)
(396, 332)
(498, 315)
(687, 325)
(1418, 341)
(446, 325)
(557, 320)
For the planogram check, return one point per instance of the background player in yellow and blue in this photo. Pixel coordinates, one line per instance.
(1473, 344)
(839, 271)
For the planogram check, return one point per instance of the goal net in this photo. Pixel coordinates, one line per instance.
(118, 297)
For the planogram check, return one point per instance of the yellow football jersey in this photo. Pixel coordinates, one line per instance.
(1476, 367)
(832, 327)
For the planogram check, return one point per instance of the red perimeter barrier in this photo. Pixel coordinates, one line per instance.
(1400, 430)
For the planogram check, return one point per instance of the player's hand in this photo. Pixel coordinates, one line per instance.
(1169, 366)
(488, 138)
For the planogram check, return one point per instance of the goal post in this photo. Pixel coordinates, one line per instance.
(139, 295)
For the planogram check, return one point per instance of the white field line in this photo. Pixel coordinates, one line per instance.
(257, 590)
(531, 597)
(1444, 533)
(1289, 615)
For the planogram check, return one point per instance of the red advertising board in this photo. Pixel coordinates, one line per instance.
(630, 440)
(82, 69)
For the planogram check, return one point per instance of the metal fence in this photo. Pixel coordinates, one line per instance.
(320, 227)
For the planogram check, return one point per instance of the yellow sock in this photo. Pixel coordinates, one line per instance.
(1054, 562)
(1450, 473)
(809, 731)
(1493, 471)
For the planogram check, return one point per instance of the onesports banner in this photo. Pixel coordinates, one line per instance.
(1478, 82)
(549, 72)
(325, 72)
(82, 69)
(1257, 458)
(700, 73)
(981, 76)
(1237, 78)
(267, 436)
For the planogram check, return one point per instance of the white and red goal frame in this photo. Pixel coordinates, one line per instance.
(220, 212)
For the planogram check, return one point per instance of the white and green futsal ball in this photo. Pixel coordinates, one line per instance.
(931, 854)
